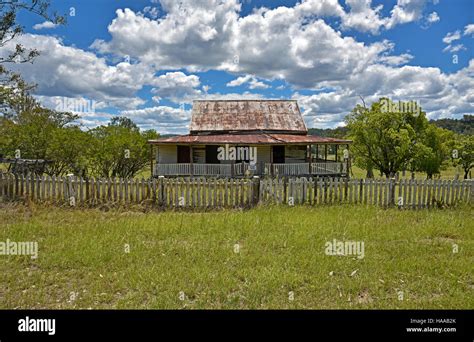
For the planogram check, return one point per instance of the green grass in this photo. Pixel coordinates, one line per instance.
(281, 250)
(448, 173)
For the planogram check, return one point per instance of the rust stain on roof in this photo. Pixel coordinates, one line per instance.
(247, 115)
(257, 139)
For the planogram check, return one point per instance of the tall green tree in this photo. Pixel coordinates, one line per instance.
(12, 85)
(434, 152)
(68, 149)
(119, 149)
(31, 131)
(383, 139)
(464, 146)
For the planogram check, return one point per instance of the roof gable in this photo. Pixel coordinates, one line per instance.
(247, 115)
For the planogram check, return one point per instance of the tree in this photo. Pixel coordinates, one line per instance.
(119, 149)
(31, 131)
(68, 148)
(461, 126)
(10, 29)
(385, 139)
(123, 121)
(11, 84)
(434, 151)
(14, 95)
(464, 151)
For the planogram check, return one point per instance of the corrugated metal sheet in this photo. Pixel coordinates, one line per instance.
(247, 115)
(310, 139)
(249, 139)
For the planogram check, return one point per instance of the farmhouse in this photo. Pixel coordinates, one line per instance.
(232, 138)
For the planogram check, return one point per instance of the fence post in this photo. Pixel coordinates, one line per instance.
(471, 192)
(87, 198)
(153, 190)
(71, 196)
(17, 193)
(256, 189)
(4, 185)
(391, 192)
(161, 190)
(346, 186)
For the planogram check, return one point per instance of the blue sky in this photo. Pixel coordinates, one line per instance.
(149, 59)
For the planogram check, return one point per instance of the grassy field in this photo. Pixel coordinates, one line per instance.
(271, 257)
(448, 173)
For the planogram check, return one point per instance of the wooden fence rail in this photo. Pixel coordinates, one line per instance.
(167, 192)
(233, 193)
(382, 192)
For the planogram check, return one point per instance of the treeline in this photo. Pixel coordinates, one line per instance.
(30, 131)
(459, 126)
(390, 141)
(338, 132)
(115, 149)
(462, 126)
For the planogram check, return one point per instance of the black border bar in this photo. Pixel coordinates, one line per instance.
(331, 324)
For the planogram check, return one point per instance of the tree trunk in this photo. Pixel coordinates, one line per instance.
(370, 173)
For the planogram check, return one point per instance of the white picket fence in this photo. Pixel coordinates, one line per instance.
(405, 193)
(236, 192)
(165, 192)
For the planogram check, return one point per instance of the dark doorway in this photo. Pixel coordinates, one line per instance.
(211, 154)
(184, 154)
(242, 152)
(279, 154)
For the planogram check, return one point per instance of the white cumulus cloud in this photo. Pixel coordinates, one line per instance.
(469, 30)
(45, 25)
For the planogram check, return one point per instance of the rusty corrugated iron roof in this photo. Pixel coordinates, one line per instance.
(246, 115)
(251, 139)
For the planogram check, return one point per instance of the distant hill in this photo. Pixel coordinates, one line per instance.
(339, 132)
(167, 135)
(462, 126)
